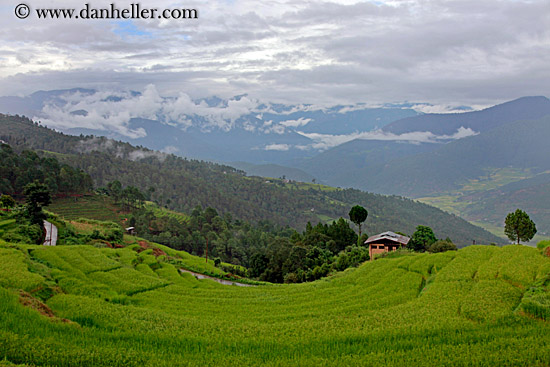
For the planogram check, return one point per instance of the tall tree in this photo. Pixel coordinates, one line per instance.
(519, 227)
(37, 196)
(358, 215)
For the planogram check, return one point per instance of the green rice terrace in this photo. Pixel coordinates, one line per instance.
(130, 306)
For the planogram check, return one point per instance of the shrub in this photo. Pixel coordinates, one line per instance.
(442, 246)
(32, 233)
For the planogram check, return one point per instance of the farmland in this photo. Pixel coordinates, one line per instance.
(93, 207)
(482, 305)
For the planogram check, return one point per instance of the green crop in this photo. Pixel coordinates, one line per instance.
(480, 306)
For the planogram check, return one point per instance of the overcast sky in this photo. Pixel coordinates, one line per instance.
(473, 52)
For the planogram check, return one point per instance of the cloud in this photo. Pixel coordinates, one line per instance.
(296, 123)
(109, 110)
(294, 52)
(109, 146)
(278, 147)
(326, 141)
(170, 149)
(138, 154)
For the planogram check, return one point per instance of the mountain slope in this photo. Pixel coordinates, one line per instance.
(273, 170)
(353, 164)
(492, 206)
(447, 124)
(521, 145)
(183, 184)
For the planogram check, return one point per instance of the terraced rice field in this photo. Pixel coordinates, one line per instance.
(118, 307)
(93, 207)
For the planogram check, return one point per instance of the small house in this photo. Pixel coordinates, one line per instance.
(130, 231)
(385, 242)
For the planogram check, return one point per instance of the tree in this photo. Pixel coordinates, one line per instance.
(519, 227)
(422, 239)
(115, 190)
(37, 196)
(7, 201)
(358, 215)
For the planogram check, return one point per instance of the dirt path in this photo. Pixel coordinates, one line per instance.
(221, 281)
(51, 234)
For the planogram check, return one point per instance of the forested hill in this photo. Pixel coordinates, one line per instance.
(182, 184)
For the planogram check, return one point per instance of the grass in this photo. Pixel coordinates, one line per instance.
(480, 306)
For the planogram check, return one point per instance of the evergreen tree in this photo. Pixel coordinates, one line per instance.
(519, 227)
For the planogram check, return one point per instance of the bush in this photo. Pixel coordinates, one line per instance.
(442, 246)
(114, 235)
(32, 232)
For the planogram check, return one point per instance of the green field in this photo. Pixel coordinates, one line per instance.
(480, 306)
(96, 207)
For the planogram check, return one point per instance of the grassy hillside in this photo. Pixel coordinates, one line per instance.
(182, 184)
(80, 305)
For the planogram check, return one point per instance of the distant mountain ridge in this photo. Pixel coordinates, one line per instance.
(525, 108)
(392, 167)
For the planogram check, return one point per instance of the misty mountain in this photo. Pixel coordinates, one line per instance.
(236, 129)
(521, 145)
(446, 124)
(423, 169)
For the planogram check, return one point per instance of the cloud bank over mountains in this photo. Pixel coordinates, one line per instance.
(288, 51)
(326, 141)
(115, 112)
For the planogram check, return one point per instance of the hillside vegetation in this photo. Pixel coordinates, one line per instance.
(80, 305)
(183, 184)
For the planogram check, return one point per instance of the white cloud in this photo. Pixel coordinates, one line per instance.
(276, 129)
(326, 141)
(106, 113)
(278, 147)
(137, 155)
(170, 149)
(296, 123)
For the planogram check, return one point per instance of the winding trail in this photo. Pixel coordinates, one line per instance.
(51, 234)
